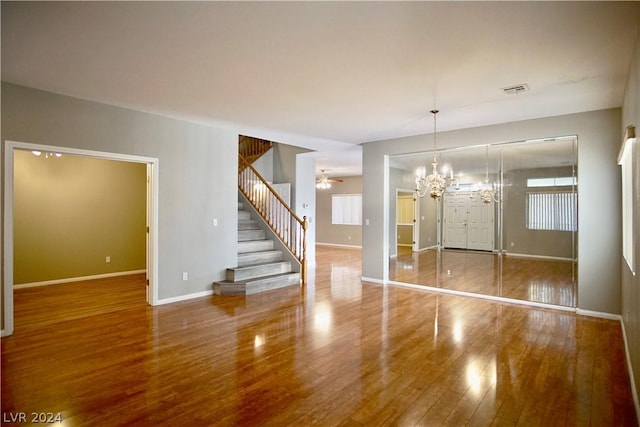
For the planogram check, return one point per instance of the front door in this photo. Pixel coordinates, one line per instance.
(468, 223)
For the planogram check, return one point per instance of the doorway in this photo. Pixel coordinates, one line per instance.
(468, 223)
(407, 207)
(8, 238)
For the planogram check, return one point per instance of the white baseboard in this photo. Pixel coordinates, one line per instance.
(184, 297)
(76, 279)
(550, 258)
(481, 296)
(2, 333)
(634, 390)
(370, 280)
(428, 248)
(599, 314)
(337, 245)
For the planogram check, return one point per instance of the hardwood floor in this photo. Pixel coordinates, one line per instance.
(338, 352)
(537, 280)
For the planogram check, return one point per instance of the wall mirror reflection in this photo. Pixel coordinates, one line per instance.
(506, 224)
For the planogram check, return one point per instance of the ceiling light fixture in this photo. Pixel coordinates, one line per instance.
(323, 182)
(47, 154)
(434, 184)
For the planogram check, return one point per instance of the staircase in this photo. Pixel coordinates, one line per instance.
(260, 267)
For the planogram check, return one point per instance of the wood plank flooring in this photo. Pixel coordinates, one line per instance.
(538, 280)
(337, 352)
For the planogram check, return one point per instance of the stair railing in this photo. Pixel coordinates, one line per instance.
(253, 148)
(290, 229)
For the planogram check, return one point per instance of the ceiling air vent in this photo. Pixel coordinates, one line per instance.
(516, 89)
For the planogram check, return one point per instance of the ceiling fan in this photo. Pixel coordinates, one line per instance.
(323, 182)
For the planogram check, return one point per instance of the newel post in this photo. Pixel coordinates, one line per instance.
(304, 250)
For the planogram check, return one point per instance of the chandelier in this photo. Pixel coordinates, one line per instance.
(434, 184)
(487, 191)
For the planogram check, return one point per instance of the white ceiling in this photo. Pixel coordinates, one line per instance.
(327, 75)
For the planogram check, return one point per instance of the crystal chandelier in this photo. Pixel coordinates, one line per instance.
(434, 184)
(487, 191)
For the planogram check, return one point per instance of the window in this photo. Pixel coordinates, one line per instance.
(552, 182)
(554, 211)
(625, 161)
(346, 209)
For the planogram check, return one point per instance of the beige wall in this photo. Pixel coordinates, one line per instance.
(71, 212)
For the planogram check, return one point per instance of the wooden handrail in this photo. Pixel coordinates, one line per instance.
(290, 229)
(253, 148)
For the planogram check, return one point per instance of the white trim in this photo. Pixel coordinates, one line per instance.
(599, 314)
(2, 334)
(428, 248)
(77, 279)
(626, 145)
(481, 296)
(9, 148)
(337, 245)
(385, 218)
(184, 297)
(634, 390)
(552, 258)
(371, 280)
(578, 311)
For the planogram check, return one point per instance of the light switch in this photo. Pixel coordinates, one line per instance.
(215, 222)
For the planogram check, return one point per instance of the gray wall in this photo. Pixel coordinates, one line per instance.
(350, 235)
(284, 166)
(598, 141)
(304, 193)
(557, 244)
(264, 165)
(197, 174)
(631, 283)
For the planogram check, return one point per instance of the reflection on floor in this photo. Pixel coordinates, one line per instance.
(537, 280)
(335, 352)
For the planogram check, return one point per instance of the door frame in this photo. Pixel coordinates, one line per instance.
(7, 238)
(416, 223)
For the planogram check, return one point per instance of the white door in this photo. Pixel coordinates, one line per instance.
(480, 229)
(468, 223)
(455, 220)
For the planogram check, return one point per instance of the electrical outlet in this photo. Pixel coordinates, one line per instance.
(107, 259)
(185, 276)
(215, 222)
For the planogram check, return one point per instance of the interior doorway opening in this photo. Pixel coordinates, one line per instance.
(407, 213)
(151, 218)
